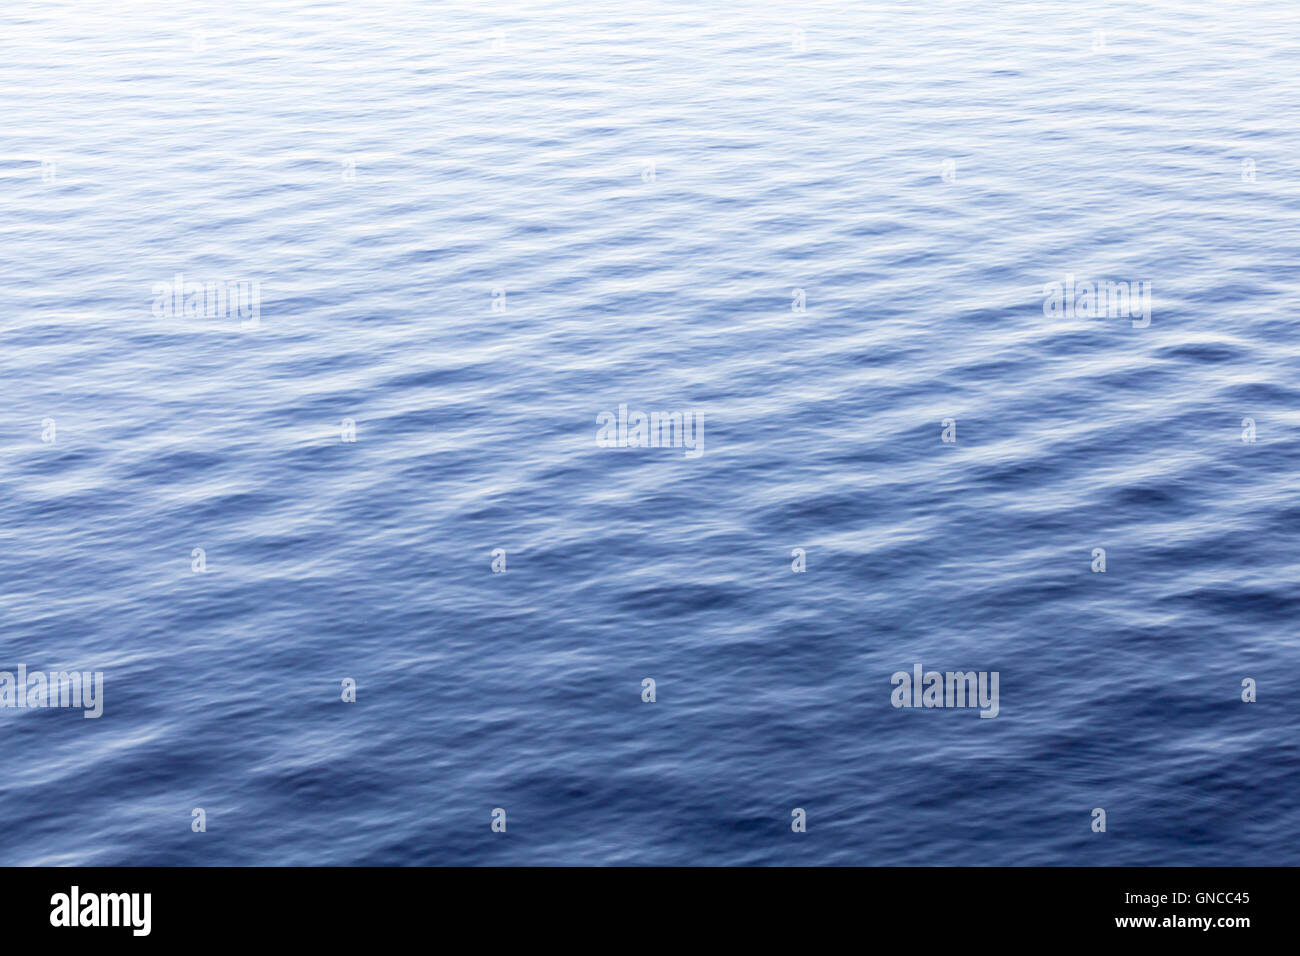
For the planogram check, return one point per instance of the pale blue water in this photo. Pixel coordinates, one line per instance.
(509, 146)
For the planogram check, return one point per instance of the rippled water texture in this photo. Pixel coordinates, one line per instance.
(476, 227)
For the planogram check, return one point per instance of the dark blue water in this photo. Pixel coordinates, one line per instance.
(649, 185)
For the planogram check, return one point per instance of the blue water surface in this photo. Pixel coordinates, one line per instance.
(474, 227)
